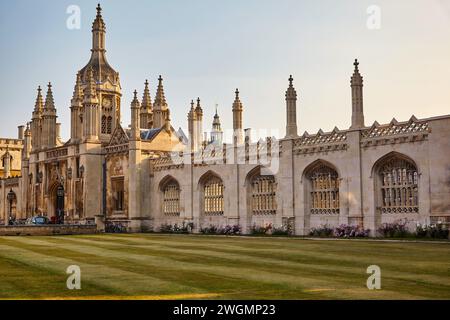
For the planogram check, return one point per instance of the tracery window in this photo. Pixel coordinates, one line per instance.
(103, 124)
(399, 186)
(109, 125)
(171, 201)
(324, 195)
(213, 196)
(263, 195)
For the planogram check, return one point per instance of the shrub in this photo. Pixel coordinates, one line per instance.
(346, 231)
(230, 230)
(261, 230)
(322, 231)
(227, 230)
(395, 229)
(175, 228)
(434, 231)
(209, 230)
(281, 231)
(343, 231)
(112, 227)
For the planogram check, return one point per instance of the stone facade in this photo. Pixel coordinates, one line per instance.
(149, 174)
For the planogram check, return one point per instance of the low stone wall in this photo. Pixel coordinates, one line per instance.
(47, 230)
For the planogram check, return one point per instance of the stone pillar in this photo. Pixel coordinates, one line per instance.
(134, 163)
(357, 98)
(291, 110)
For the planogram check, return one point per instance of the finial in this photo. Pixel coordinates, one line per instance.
(160, 79)
(49, 85)
(356, 64)
(216, 108)
(290, 80)
(99, 10)
(39, 89)
(135, 94)
(237, 93)
(146, 82)
(198, 101)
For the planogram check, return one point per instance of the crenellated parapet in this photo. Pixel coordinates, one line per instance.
(321, 142)
(395, 132)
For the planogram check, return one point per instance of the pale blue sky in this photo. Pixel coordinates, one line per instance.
(208, 48)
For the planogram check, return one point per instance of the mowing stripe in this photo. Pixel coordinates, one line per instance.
(259, 276)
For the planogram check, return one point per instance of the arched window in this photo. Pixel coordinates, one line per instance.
(263, 195)
(171, 198)
(213, 196)
(324, 189)
(109, 125)
(103, 124)
(398, 185)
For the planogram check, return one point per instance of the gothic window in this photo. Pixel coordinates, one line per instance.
(109, 125)
(263, 195)
(213, 196)
(171, 201)
(10, 162)
(118, 193)
(324, 193)
(399, 186)
(103, 124)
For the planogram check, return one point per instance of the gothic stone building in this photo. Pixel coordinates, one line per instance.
(149, 174)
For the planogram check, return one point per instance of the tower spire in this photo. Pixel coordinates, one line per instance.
(146, 99)
(160, 106)
(146, 109)
(216, 132)
(78, 90)
(39, 105)
(49, 101)
(48, 137)
(98, 31)
(160, 99)
(356, 84)
(291, 109)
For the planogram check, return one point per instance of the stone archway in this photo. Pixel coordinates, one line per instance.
(57, 203)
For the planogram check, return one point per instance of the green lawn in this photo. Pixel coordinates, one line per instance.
(151, 266)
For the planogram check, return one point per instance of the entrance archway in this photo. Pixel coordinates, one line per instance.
(59, 204)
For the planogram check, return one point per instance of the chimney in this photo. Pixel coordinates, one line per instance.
(20, 132)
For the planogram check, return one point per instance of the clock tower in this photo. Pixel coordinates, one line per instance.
(107, 86)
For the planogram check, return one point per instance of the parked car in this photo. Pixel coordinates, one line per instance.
(38, 220)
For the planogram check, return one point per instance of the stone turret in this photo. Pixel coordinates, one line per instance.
(90, 105)
(357, 98)
(48, 137)
(36, 121)
(192, 117)
(291, 110)
(7, 164)
(26, 143)
(160, 106)
(198, 123)
(135, 108)
(76, 105)
(237, 119)
(146, 112)
(216, 132)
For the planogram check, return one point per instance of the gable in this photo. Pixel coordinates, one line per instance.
(118, 137)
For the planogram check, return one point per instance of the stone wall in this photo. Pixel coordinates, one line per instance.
(47, 230)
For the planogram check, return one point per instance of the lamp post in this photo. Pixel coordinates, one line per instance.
(11, 196)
